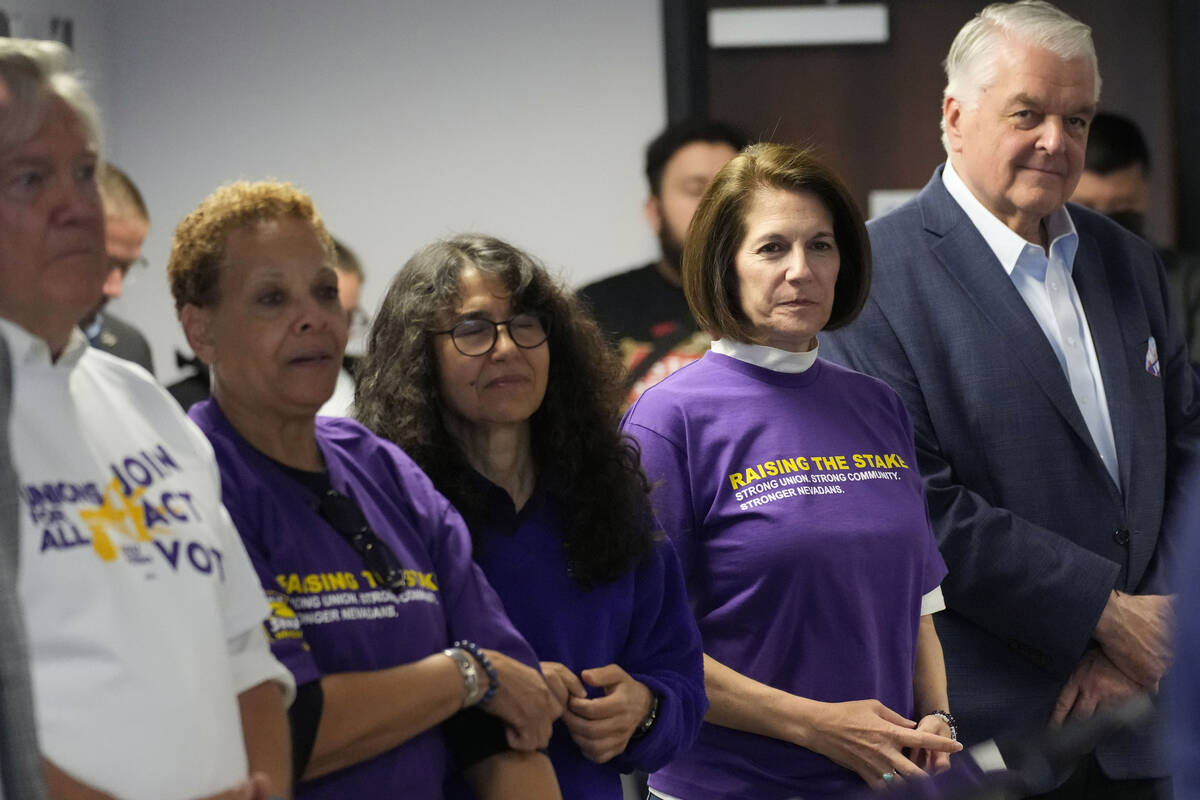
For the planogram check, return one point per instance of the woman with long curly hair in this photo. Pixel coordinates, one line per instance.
(459, 373)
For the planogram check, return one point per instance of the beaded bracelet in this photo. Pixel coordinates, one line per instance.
(949, 719)
(493, 679)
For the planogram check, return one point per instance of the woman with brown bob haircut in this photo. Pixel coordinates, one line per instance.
(709, 273)
(789, 486)
(487, 370)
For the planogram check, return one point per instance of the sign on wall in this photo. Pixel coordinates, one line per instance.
(30, 25)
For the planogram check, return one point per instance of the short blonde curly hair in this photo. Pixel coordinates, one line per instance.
(200, 238)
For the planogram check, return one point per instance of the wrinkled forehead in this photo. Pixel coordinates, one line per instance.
(1028, 67)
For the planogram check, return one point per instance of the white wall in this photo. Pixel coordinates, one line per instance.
(406, 121)
(93, 35)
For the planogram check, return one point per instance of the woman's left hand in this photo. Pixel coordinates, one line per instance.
(524, 702)
(932, 761)
(602, 727)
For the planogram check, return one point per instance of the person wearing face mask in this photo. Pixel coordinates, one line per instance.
(1116, 182)
(377, 608)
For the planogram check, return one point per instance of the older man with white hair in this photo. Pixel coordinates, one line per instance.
(152, 677)
(1056, 419)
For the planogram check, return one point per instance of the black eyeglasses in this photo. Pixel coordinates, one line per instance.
(477, 337)
(345, 517)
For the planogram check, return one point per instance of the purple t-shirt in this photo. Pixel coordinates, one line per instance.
(328, 616)
(797, 510)
(639, 621)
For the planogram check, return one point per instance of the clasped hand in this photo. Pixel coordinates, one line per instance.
(1095, 682)
(869, 738)
(1134, 632)
(524, 702)
(601, 727)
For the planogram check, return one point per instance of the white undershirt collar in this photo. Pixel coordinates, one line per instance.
(760, 355)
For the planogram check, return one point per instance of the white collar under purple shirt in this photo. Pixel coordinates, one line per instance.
(1045, 284)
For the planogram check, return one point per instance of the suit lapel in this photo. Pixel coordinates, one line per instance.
(1099, 303)
(965, 255)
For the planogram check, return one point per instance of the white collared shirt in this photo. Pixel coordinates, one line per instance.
(1045, 284)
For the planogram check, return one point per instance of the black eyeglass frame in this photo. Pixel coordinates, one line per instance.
(542, 317)
(127, 266)
(345, 517)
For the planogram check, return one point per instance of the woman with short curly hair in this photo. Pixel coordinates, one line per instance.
(491, 376)
(396, 642)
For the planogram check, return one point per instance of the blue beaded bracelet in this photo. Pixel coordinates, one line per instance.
(493, 679)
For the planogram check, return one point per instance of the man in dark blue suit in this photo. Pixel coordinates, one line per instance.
(1057, 421)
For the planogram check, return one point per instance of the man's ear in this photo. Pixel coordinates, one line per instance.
(197, 327)
(653, 212)
(952, 115)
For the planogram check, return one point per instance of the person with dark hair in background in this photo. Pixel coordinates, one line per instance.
(643, 310)
(350, 277)
(1057, 418)
(152, 675)
(397, 643)
(1116, 172)
(789, 486)
(492, 376)
(126, 224)
(1116, 182)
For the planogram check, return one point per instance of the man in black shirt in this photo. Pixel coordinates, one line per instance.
(643, 310)
(1116, 182)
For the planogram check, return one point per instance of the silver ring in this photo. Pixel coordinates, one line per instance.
(887, 777)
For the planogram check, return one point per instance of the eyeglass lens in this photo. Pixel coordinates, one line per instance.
(476, 337)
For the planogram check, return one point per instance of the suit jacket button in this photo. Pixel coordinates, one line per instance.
(1121, 536)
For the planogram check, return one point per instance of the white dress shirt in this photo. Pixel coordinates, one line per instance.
(1045, 283)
